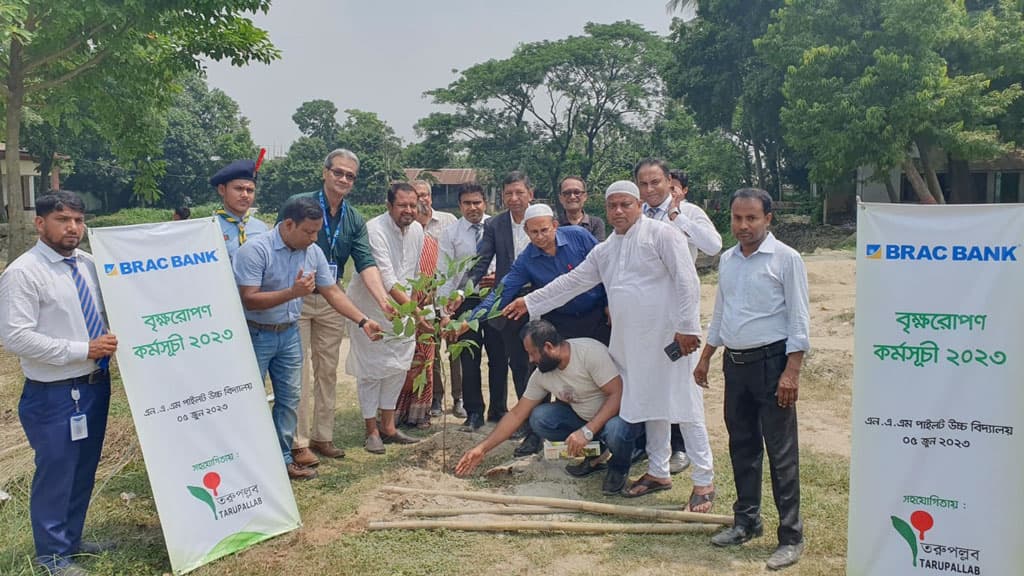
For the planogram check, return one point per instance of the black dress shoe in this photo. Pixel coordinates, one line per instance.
(585, 468)
(736, 535)
(614, 482)
(785, 555)
(530, 445)
(473, 422)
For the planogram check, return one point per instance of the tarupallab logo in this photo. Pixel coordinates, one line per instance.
(162, 263)
(921, 521)
(211, 481)
(941, 252)
(931, 555)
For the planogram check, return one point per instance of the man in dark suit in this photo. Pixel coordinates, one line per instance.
(504, 239)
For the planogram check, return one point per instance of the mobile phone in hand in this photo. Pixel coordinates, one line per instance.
(673, 351)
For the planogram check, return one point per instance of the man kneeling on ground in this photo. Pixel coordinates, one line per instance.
(580, 374)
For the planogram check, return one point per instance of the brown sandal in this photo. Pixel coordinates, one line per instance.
(648, 484)
(700, 500)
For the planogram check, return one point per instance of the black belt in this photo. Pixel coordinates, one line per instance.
(270, 327)
(756, 354)
(96, 377)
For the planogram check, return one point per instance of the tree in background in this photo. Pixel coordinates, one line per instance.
(555, 107)
(317, 119)
(719, 75)
(880, 82)
(125, 59)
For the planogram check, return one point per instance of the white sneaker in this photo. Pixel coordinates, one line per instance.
(678, 462)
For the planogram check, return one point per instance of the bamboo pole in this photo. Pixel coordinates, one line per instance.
(542, 526)
(503, 510)
(579, 505)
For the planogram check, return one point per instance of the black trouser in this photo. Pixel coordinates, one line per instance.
(593, 324)
(755, 423)
(677, 439)
(518, 360)
(489, 339)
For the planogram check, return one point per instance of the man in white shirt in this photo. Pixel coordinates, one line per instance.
(396, 240)
(582, 377)
(434, 223)
(459, 242)
(664, 194)
(761, 317)
(654, 301)
(52, 318)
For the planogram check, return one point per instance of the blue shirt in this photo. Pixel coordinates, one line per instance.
(536, 268)
(266, 261)
(253, 227)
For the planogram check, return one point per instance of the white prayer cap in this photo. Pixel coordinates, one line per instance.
(539, 209)
(623, 187)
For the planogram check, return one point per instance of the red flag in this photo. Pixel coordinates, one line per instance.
(259, 160)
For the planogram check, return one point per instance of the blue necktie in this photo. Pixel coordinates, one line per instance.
(652, 212)
(93, 320)
(478, 230)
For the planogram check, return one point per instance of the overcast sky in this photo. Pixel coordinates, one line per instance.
(381, 56)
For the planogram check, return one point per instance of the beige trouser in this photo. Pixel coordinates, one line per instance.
(321, 329)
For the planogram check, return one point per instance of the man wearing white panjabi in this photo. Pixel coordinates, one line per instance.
(654, 301)
(396, 240)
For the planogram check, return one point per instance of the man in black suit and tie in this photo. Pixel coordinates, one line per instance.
(504, 239)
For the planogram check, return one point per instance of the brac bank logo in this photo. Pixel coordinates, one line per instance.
(941, 252)
(162, 263)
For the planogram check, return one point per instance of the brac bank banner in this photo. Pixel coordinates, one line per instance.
(938, 402)
(195, 390)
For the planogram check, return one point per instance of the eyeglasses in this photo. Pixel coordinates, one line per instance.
(342, 174)
(573, 192)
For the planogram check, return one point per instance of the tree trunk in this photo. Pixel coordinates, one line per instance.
(920, 188)
(758, 168)
(18, 234)
(960, 181)
(929, 171)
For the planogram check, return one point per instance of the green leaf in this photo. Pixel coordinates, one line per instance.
(474, 325)
(410, 327)
(397, 325)
(204, 496)
(234, 543)
(908, 534)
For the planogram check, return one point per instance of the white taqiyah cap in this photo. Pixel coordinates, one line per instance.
(538, 209)
(623, 187)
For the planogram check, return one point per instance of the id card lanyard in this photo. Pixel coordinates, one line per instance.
(333, 238)
(79, 426)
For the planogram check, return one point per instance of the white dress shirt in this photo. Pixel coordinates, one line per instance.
(457, 242)
(41, 318)
(700, 231)
(438, 223)
(520, 239)
(762, 298)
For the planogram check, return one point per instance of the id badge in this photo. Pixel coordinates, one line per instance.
(79, 428)
(334, 271)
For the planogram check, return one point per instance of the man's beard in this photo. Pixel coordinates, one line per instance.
(547, 363)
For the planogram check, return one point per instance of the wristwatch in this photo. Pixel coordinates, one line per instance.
(587, 433)
(363, 321)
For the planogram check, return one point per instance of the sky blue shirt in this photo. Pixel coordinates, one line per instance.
(266, 261)
(253, 227)
(534, 267)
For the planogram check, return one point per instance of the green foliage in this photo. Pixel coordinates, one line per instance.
(867, 82)
(553, 107)
(317, 119)
(379, 151)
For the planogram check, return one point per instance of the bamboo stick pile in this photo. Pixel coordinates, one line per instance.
(657, 520)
